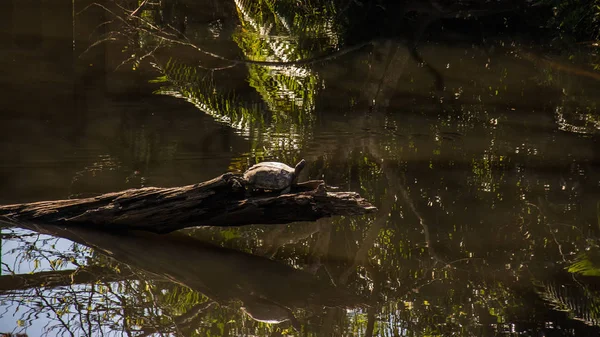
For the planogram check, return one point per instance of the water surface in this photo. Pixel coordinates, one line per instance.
(481, 152)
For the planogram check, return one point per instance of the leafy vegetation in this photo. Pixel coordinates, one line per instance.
(580, 19)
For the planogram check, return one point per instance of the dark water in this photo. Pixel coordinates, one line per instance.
(481, 152)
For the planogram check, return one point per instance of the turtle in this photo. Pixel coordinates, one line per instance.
(273, 176)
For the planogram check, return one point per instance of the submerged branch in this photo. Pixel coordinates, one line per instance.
(60, 278)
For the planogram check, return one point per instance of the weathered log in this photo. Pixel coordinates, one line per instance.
(222, 201)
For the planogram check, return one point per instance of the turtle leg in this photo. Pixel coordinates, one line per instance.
(286, 190)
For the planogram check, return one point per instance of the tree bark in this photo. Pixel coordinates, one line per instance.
(222, 201)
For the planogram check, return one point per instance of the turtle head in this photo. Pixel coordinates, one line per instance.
(299, 167)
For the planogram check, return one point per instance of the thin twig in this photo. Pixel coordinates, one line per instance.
(139, 7)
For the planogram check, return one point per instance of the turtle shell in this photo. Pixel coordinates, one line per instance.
(270, 176)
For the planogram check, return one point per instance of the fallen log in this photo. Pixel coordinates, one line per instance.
(222, 201)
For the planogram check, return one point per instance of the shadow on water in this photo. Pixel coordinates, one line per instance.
(476, 139)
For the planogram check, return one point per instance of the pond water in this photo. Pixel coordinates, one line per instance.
(480, 150)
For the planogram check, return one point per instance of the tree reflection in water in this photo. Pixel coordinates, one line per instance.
(480, 154)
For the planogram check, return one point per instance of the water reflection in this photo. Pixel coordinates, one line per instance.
(481, 156)
(137, 273)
